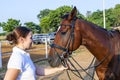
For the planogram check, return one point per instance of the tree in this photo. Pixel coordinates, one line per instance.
(34, 27)
(79, 15)
(55, 16)
(51, 21)
(10, 24)
(112, 17)
(116, 13)
(43, 13)
(45, 24)
(96, 17)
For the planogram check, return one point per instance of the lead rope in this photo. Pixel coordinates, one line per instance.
(68, 75)
(79, 75)
(80, 67)
(64, 63)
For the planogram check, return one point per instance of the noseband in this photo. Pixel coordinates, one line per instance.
(66, 49)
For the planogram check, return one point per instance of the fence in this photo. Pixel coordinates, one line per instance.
(0, 56)
(46, 50)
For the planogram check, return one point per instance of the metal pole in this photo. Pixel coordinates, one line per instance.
(0, 56)
(104, 14)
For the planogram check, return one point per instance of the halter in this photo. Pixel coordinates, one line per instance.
(65, 49)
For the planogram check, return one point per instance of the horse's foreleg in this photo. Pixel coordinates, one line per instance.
(101, 73)
(105, 74)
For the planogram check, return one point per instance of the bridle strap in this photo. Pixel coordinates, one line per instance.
(59, 47)
(63, 61)
(65, 49)
(72, 38)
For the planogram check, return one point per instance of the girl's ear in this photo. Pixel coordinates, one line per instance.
(21, 39)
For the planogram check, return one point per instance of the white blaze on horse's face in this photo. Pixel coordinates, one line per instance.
(58, 28)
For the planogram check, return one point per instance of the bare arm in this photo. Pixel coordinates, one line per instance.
(41, 71)
(11, 74)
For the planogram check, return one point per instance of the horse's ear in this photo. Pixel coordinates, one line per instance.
(72, 13)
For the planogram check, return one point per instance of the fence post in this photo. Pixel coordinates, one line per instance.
(46, 49)
(0, 55)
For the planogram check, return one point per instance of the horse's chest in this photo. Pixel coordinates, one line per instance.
(114, 65)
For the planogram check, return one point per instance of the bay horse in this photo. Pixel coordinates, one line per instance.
(103, 44)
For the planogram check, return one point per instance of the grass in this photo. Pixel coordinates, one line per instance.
(2, 37)
(2, 72)
(43, 63)
(3, 69)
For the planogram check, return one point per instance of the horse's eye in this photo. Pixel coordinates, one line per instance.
(63, 33)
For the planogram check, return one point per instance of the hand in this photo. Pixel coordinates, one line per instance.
(61, 68)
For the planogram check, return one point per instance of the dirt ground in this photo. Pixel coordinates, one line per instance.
(37, 52)
(84, 58)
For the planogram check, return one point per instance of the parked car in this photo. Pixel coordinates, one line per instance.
(39, 38)
(51, 37)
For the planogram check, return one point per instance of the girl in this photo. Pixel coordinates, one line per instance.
(20, 65)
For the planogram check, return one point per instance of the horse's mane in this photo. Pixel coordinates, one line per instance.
(95, 25)
(90, 23)
(109, 32)
(66, 17)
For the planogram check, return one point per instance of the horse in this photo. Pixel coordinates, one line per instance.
(102, 43)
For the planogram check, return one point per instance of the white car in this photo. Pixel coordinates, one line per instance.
(39, 38)
(51, 37)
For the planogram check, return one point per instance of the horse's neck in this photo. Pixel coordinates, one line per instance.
(94, 38)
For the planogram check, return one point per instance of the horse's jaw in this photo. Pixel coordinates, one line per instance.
(54, 62)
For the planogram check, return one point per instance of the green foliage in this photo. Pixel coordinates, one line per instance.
(34, 27)
(50, 19)
(51, 22)
(3, 69)
(43, 13)
(112, 17)
(45, 24)
(116, 13)
(79, 15)
(10, 24)
(3, 34)
(95, 18)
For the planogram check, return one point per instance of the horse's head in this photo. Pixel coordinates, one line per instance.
(67, 39)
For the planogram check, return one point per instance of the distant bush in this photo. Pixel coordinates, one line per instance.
(3, 34)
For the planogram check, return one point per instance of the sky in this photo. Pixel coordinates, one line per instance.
(27, 10)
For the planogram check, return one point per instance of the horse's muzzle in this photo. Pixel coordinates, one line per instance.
(54, 61)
